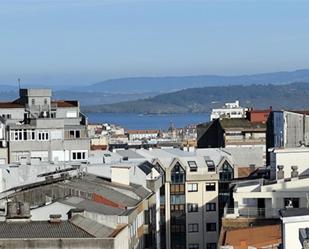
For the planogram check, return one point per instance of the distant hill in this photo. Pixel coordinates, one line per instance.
(288, 96)
(85, 98)
(169, 84)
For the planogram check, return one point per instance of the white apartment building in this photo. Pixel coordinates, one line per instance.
(38, 128)
(229, 110)
(263, 199)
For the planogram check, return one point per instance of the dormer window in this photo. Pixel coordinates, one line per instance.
(211, 165)
(193, 166)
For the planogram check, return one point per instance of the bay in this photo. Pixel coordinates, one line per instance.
(133, 121)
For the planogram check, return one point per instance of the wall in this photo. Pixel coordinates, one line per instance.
(290, 230)
(201, 197)
(290, 157)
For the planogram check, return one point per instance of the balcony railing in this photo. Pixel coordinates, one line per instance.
(250, 212)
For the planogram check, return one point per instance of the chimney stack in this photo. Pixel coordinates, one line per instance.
(280, 173)
(55, 218)
(294, 173)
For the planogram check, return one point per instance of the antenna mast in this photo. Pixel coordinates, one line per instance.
(18, 83)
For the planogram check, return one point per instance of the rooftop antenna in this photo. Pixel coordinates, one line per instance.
(18, 83)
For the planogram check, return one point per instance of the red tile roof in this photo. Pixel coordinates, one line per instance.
(254, 236)
(10, 105)
(66, 103)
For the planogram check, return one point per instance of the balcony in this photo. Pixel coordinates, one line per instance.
(250, 212)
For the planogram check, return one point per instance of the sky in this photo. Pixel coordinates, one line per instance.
(83, 42)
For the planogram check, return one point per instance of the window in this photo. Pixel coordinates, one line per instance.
(192, 187)
(226, 172)
(177, 174)
(77, 134)
(74, 134)
(291, 202)
(211, 186)
(192, 207)
(210, 206)
(178, 228)
(211, 246)
(7, 116)
(177, 207)
(211, 165)
(78, 155)
(193, 228)
(193, 166)
(43, 135)
(33, 101)
(45, 101)
(177, 199)
(177, 188)
(211, 227)
(193, 246)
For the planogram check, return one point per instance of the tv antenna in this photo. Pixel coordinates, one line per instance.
(18, 83)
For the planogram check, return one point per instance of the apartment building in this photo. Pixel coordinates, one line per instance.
(229, 110)
(263, 199)
(238, 132)
(39, 128)
(189, 196)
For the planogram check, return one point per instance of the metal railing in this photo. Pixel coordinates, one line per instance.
(250, 212)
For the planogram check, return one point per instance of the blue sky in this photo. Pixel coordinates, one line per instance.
(88, 41)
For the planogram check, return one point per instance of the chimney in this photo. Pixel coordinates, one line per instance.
(280, 173)
(252, 167)
(55, 218)
(294, 173)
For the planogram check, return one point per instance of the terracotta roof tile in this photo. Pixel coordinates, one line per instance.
(256, 237)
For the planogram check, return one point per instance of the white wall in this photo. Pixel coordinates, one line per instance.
(291, 226)
(288, 158)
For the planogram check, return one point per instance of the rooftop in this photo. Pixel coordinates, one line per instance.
(230, 123)
(257, 237)
(41, 229)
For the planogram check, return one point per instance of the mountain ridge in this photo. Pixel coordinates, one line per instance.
(194, 100)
